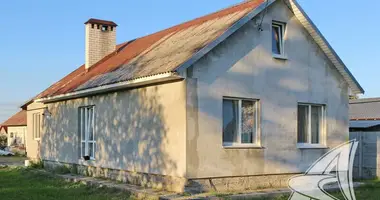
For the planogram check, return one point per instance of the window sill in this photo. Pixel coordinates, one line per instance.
(280, 57)
(311, 146)
(242, 146)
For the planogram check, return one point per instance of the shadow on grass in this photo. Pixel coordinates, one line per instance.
(30, 184)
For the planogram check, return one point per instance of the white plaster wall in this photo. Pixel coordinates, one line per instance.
(19, 133)
(139, 130)
(33, 145)
(243, 66)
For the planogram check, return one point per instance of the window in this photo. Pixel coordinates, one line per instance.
(278, 30)
(311, 123)
(36, 126)
(240, 122)
(104, 28)
(87, 130)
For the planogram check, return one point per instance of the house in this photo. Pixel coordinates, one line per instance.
(238, 99)
(365, 114)
(3, 136)
(16, 129)
(365, 128)
(3, 130)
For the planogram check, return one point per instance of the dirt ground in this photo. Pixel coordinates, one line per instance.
(12, 160)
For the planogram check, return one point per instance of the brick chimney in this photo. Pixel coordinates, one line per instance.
(100, 40)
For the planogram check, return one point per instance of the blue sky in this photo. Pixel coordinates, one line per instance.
(42, 41)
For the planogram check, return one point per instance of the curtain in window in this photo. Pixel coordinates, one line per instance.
(276, 40)
(248, 122)
(230, 121)
(303, 115)
(316, 116)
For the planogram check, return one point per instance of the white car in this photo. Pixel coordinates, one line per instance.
(6, 153)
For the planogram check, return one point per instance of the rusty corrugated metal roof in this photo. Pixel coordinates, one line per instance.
(157, 53)
(174, 47)
(19, 119)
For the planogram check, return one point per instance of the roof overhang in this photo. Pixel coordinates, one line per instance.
(364, 123)
(150, 80)
(308, 25)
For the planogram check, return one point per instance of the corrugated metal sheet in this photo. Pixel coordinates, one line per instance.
(365, 109)
(167, 50)
(364, 123)
(153, 54)
(168, 53)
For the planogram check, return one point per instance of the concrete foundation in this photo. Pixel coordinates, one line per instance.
(241, 183)
(175, 184)
(169, 183)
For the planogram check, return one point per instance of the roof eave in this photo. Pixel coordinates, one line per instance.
(155, 79)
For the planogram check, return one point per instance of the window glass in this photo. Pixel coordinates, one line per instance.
(90, 124)
(315, 124)
(303, 123)
(248, 121)
(240, 122)
(230, 121)
(310, 123)
(276, 48)
(36, 117)
(87, 131)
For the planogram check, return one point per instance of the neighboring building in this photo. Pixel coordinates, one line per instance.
(365, 128)
(3, 130)
(16, 128)
(220, 102)
(365, 114)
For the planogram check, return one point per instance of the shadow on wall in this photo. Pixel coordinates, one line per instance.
(243, 67)
(131, 131)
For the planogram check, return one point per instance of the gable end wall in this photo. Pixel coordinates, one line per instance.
(243, 66)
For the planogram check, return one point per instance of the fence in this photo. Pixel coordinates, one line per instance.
(367, 157)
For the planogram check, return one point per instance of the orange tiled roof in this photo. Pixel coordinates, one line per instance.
(19, 119)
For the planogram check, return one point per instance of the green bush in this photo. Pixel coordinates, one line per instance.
(37, 164)
(3, 141)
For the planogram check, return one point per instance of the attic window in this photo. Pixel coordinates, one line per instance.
(104, 28)
(278, 30)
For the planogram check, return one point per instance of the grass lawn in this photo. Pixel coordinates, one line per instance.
(28, 184)
(370, 191)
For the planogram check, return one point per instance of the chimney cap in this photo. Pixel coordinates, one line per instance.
(100, 22)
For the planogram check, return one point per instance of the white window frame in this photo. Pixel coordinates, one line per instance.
(83, 111)
(322, 133)
(257, 143)
(282, 27)
(36, 117)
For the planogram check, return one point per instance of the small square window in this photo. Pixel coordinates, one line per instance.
(278, 30)
(240, 122)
